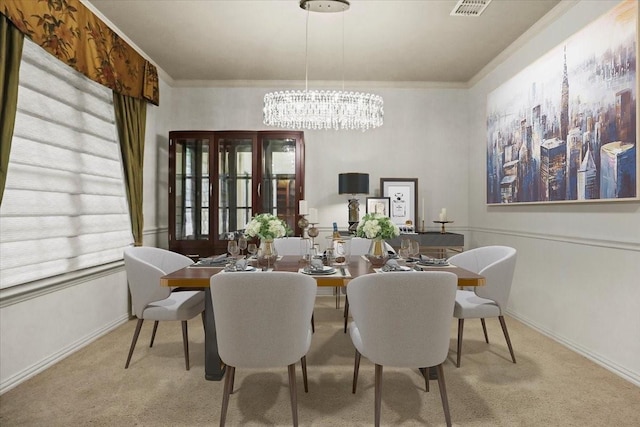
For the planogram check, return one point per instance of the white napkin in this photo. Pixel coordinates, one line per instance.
(316, 264)
(392, 265)
(218, 259)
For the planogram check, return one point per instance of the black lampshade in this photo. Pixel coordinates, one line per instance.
(353, 183)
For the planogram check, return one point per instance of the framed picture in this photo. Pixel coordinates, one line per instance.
(564, 128)
(403, 195)
(380, 205)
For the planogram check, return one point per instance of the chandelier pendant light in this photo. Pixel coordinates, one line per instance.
(313, 109)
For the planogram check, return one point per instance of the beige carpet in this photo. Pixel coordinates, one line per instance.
(549, 386)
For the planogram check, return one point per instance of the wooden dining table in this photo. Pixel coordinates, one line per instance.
(200, 277)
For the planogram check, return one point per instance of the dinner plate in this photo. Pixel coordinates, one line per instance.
(325, 270)
(247, 268)
(398, 268)
(212, 262)
(431, 264)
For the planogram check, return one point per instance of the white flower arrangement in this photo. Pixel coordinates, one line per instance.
(266, 226)
(377, 226)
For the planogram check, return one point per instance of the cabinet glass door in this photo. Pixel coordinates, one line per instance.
(235, 184)
(191, 188)
(279, 187)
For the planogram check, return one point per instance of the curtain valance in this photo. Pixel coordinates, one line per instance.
(70, 31)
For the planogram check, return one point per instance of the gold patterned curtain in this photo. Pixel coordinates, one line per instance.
(73, 34)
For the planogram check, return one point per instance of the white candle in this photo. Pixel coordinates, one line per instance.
(313, 216)
(443, 214)
(303, 207)
(423, 217)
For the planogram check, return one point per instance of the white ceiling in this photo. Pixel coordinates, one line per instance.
(384, 41)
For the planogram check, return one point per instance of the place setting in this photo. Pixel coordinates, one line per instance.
(392, 265)
(432, 262)
(317, 267)
(240, 265)
(213, 261)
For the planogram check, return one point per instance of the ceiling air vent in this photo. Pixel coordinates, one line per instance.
(469, 7)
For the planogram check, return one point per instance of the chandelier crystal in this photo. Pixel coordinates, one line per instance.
(313, 109)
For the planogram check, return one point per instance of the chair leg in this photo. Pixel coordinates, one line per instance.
(460, 328)
(185, 342)
(506, 336)
(303, 362)
(484, 329)
(378, 395)
(337, 291)
(356, 369)
(204, 323)
(425, 374)
(293, 393)
(346, 312)
(313, 324)
(443, 394)
(153, 334)
(232, 374)
(133, 341)
(228, 386)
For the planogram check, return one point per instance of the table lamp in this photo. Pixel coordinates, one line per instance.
(353, 183)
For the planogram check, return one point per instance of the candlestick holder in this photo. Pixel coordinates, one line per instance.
(442, 230)
(423, 229)
(313, 232)
(303, 223)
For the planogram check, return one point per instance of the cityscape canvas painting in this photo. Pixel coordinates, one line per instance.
(564, 129)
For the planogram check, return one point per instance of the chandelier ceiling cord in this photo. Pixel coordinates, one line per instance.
(313, 109)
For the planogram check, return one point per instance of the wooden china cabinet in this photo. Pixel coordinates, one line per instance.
(218, 180)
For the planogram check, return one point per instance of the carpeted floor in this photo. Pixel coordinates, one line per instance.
(549, 386)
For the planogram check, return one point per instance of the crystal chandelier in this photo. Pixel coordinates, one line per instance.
(313, 109)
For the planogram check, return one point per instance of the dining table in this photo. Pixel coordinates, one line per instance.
(199, 277)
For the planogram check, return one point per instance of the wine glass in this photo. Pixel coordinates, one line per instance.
(233, 248)
(242, 243)
(403, 252)
(252, 248)
(414, 249)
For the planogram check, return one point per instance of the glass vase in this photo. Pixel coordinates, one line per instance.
(377, 254)
(267, 254)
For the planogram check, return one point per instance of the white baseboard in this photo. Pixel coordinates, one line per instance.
(36, 368)
(632, 377)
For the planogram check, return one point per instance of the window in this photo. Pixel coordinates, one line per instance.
(64, 206)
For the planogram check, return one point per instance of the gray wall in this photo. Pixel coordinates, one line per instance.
(424, 137)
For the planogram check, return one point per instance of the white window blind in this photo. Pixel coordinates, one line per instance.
(64, 207)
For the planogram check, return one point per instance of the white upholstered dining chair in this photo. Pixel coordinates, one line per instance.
(291, 246)
(263, 320)
(287, 246)
(402, 319)
(496, 264)
(151, 301)
(360, 246)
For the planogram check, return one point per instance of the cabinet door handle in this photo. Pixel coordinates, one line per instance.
(259, 187)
